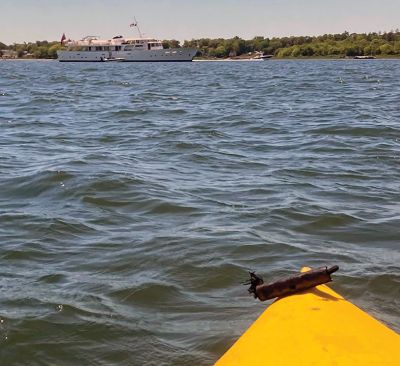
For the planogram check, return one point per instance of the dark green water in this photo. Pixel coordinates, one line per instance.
(134, 198)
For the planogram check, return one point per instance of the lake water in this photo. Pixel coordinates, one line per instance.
(134, 198)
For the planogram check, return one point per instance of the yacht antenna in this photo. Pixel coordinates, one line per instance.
(135, 24)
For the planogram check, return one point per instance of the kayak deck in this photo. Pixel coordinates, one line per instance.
(315, 327)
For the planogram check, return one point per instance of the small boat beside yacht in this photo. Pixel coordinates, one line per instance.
(364, 57)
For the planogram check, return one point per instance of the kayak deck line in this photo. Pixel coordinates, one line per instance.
(314, 327)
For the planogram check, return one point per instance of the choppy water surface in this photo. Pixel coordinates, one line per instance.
(134, 198)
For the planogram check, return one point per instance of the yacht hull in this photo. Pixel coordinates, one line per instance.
(164, 55)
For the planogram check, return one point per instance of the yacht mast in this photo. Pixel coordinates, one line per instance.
(135, 24)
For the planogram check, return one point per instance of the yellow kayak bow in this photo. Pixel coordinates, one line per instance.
(314, 327)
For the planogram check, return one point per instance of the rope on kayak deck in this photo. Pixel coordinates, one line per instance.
(290, 285)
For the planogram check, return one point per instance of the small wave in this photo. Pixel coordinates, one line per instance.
(107, 139)
(33, 185)
(175, 112)
(267, 251)
(207, 277)
(376, 131)
(25, 254)
(90, 69)
(53, 278)
(328, 221)
(264, 130)
(188, 145)
(104, 184)
(149, 294)
(386, 284)
(215, 85)
(125, 84)
(130, 112)
(38, 101)
(105, 201)
(68, 228)
(61, 79)
(171, 208)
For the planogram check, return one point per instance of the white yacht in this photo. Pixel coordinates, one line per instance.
(92, 49)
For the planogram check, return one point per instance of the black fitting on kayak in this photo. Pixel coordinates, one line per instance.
(254, 282)
(332, 269)
(291, 285)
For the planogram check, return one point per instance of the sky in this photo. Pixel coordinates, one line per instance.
(31, 20)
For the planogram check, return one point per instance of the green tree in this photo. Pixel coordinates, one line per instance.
(284, 52)
(306, 51)
(220, 52)
(386, 49)
(173, 43)
(296, 51)
(351, 51)
(52, 51)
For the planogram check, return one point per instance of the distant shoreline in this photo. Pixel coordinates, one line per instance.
(392, 57)
(202, 59)
(28, 59)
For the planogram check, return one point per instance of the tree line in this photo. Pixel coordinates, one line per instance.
(39, 49)
(327, 45)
